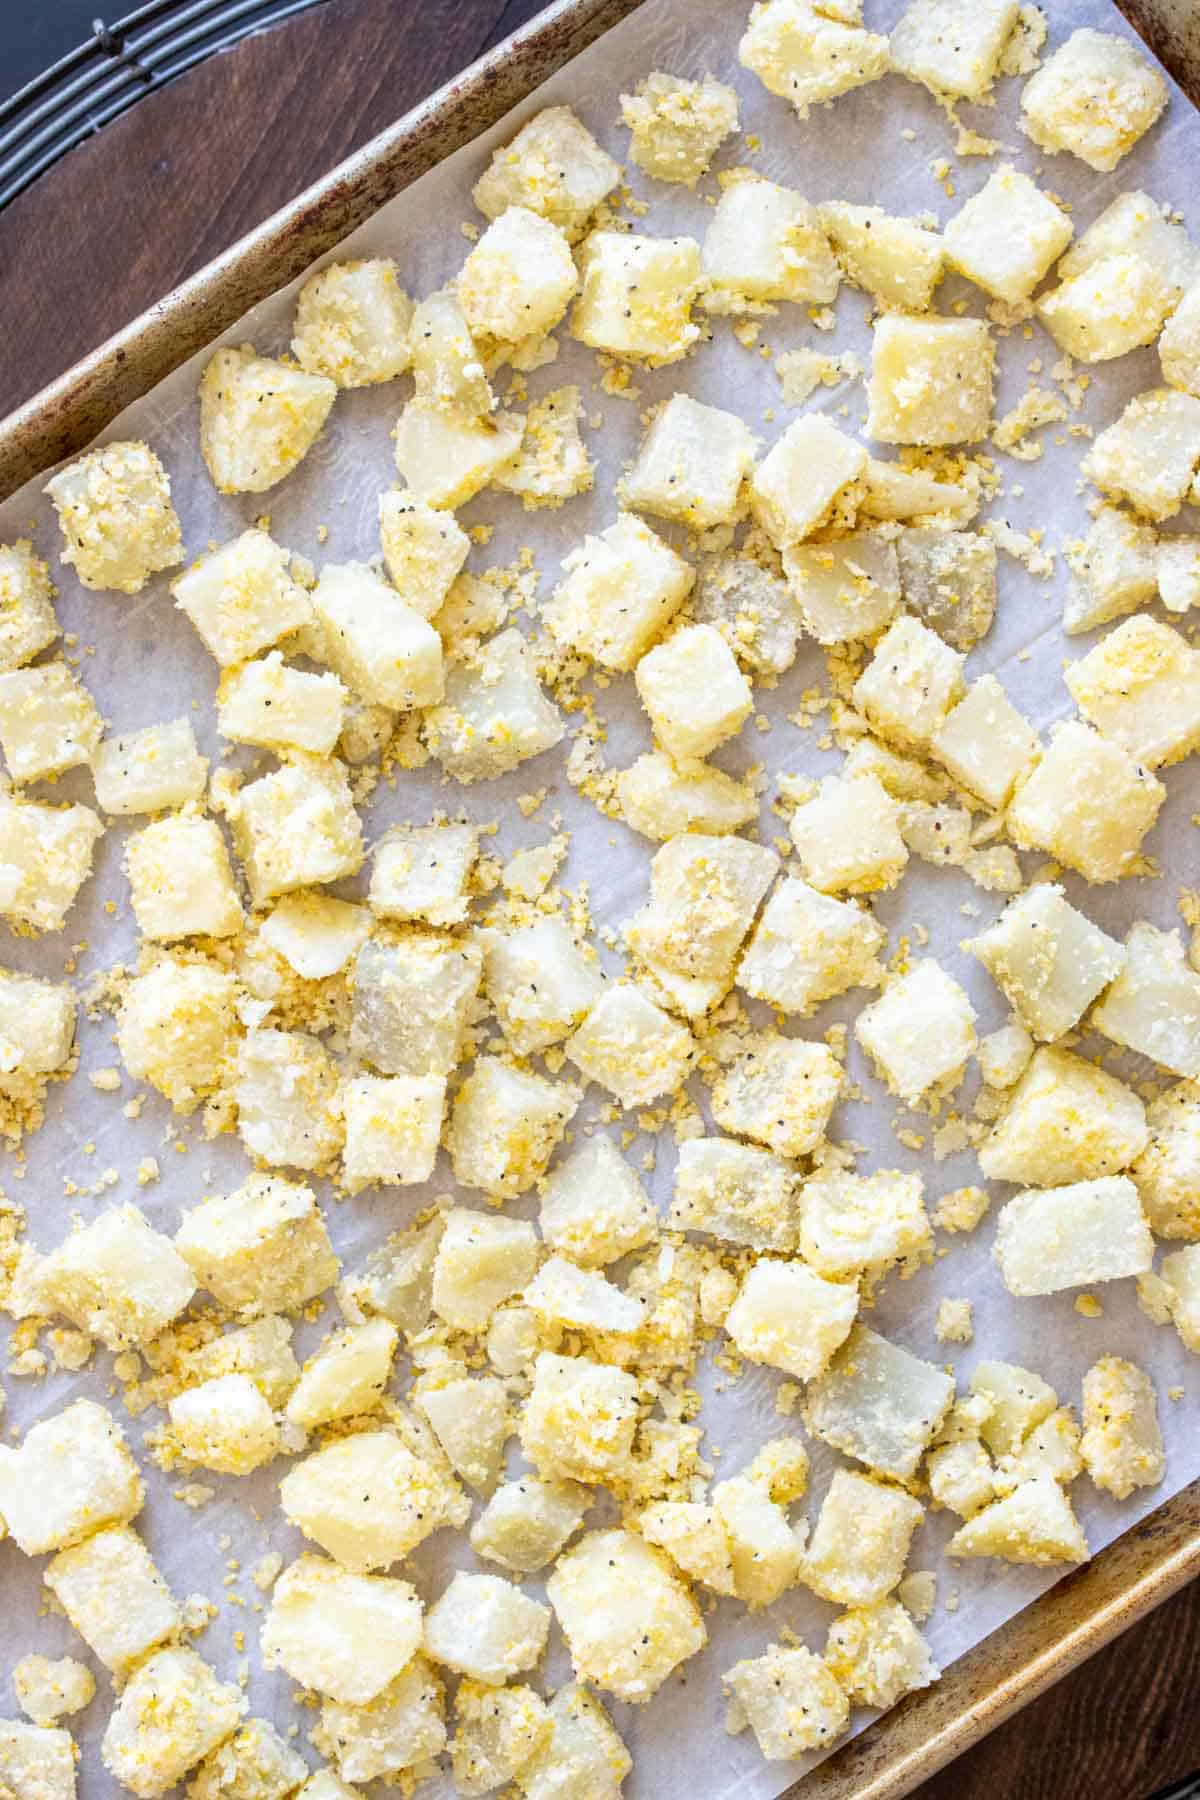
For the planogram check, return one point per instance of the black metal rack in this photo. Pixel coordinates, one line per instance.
(119, 63)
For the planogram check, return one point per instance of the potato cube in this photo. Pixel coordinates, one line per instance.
(446, 456)
(369, 1500)
(627, 1618)
(265, 702)
(519, 278)
(345, 1635)
(691, 465)
(27, 619)
(910, 684)
(765, 243)
(1153, 1006)
(985, 743)
(1033, 1524)
(504, 1125)
(1149, 455)
(961, 1476)
(920, 1032)
(258, 418)
(392, 1126)
(735, 1193)
(953, 47)
(45, 858)
(619, 593)
(695, 1538)
(579, 1419)
(37, 1025)
(254, 1764)
(1167, 1173)
(1177, 569)
(593, 1207)
(876, 1654)
(802, 476)
(845, 590)
(897, 262)
(1048, 1239)
(1140, 686)
(788, 1316)
(171, 1713)
(1049, 960)
(1114, 569)
(552, 464)
(448, 372)
(36, 1763)
(412, 1000)
(1066, 1121)
(1096, 96)
(423, 549)
(704, 895)
(297, 827)
(178, 1026)
(1088, 803)
(808, 947)
(860, 1543)
(554, 166)
(879, 1403)
(224, 1424)
(852, 1225)
(763, 1549)
(484, 1627)
(50, 1690)
(1113, 306)
(931, 381)
(780, 1092)
(382, 648)
(243, 597)
(180, 881)
(636, 296)
(526, 1523)
(471, 1420)
(481, 1261)
(1135, 224)
(494, 714)
(539, 980)
(693, 691)
(286, 1094)
(117, 1279)
(809, 53)
(262, 1350)
(1006, 236)
(661, 799)
(420, 872)
(263, 1248)
(48, 721)
(790, 1699)
(848, 837)
(148, 770)
(563, 1294)
(400, 1730)
(84, 1580)
(114, 507)
(352, 322)
(1180, 1277)
(948, 579)
(347, 1375)
(1017, 1402)
(1122, 1445)
(70, 1475)
(677, 126)
(631, 1047)
(583, 1754)
(1179, 345)
(314, 934)
(498, 1733)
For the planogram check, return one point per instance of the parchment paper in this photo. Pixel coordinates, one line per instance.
(144, 663)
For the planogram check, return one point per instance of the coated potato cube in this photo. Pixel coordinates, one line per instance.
(401, 1729)
(45, 858)
(48, 721)
(859, 1545)
(764, 243)
(1066, 1121)
(554, 166)
(177, 1028)
(660, 799)
(584, 1755)
(897, 262)
(347, 1375)
(352, 323)
(369, 1500)
(1140, 686)
(809, 53)
(539, 980)
(1180, 1276)
(852, 1225)
(985, 743)
(494, 714)
(779, 1092)
(1153, 1006)
(879, 1403)
(148, 770)
(593, 1207)
(553, 464)
(931, 381)
(114, 507)
(1017, 1402)
(497, 1735)
(1111, 307)
(1135, 224)
(763, 1549)
(484, 1627)
(47, 1691)
(1167, 1173)
(948, 579)
(790, 1699)
(1121, 1447)
(27, 618)
(393, 1123)
(481, 1261)
(752, 609)
(343, 1634)
(315, 934)
(412, 1000)
(504, 1126)
(1088, 803)
(526, 1523)
(1114, 569)
(808, 947)
(691, 465)
(1049, 960)
(961, 1476)
(579, 1419)
(788, 1316)
(171, 1713)
(262, 1350)
(448, 373)
(286, 1093)
(693, 691)
(1096, 96)
(677, 126)
(423, 549)
(845, 590)
(1179, 345)
(562, 1294)
(1149, 455)
(627, 1618)
(848, 836)
(420, 872)
(1177, 569)
(382, 648)
(1007, 235)
(1048, 1239)
(953, 47)
(87, 1580)
(117, 1279)
(37, 1025)
(631, 1047)
(472, 1423)
(704, 893)
(70, 1475)
(619, 593)
(446, 456)
(735, 1193)
(1033, 1524)
(224, 1424)
(265, 702)
(263, 1248)
(801, 477)
(519, 278)
(876, 1654)
(297, 827)
(910, 684)
(920, 1032)
(254, 1764)
(695, 1538)
(258, 418)
(180, 881)
(242, 598)
(636, 296)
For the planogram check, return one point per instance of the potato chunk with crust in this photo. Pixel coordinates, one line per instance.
(1122, 1445)
(1065, 1121)
(171, 1713)
(808, 946)
(678, 126)
(791, 1700)
(860, 1542)
(584, 1755)
(114, 506)
(1007, 235)
(345, 1635)
(920, 1032)
(484, 1627)
(632, 1047)
(1113, 306)
(1096, 96)
(985, 743)
(627, 1618)
(788, 1316)
(931, 381)
(877, 1654)
(897, 262)
(504, 1125)
(1140, 686)
(494, 714)
(352, 321)
(1033, 1524)
(1148, 456)
(70, 1475)
(84, 1579)
(847, 589)
(691, 465)
(45, 858)
(1167, 1173)
(369, 1500)
(27, 617)
(1048, 959)
(953, 47)
(258, 418)
(263, 1248)
(519, 278)
(1048, 1239)
(1153, 1006)
(1088, 803)
(636, 296)
(579, 1420)
(879, 1403)
(779, 1092)
(555, 167)
(619, 592)
(802, 476)
(242, 597)
(848, 836)
(809, 53)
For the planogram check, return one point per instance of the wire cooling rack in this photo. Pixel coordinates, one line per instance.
(120, 62)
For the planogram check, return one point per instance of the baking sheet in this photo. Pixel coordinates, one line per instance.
(143, 662)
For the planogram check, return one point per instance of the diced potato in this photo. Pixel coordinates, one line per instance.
(1177, 568)
(262, 1350)
(780, 1092)
(1113, 306)
(297, 827)
(1179, 345)
(498, 1733)
(1121, 1447)
(1114, 570)
(985, 743)
(1153, 1006)
(764, 1551)
(1048, 1239)
(526, 1523)
(636, 296)
(114, 507)
(953, 47)
(47, 1691)
(691, 465)
(1051, 1448)
(1066, 1121)
(677, 126)
(412, 999)
(660, 799)
(286, 1091)
(802, 476)
(392, 1127)
(381, 647)
(853, 1225)
(149, 770)
(735, 1193)
(931, 381)
(579, 1419)
(472, 1423)
(1033, 1524)
(848, 836)
(423, 549)
(224, 1424)
(693, 691)
(352, 323)
(347, 1375)
(876, 1654)
(504, 1125)
(258, 418)
(448, 371)
(898, 262)
(37, 1025)
(961, 1476)
(1167, 1173)
(764, 243)
(180, 881)
(627, 1618)
(484, 1627)
(265, 702)
(400, 1730)
(254, 1764)
(703, 898)
(1088, 803)
(890, 490)
(632, 1047)
(1096, 96)
(695, 1539)
(809, 54)
(554, 166)
(37, 1762)
(879, 1403)
(920, 1032)
(1140, 686)
(807, 947)
(48, 721)
(948, 579)
(178, 1026)
(45, 858)
(27, 618)
(343, 1634)
(1048, 959)
(564, 1295)
(172, 1712)
(1135, 224)
(788, 1316)
(242, 597)
(539, 980)
(584, 1755)
(87, 1579)
(860, 1542)
(910, 684)
(1006, 236)
(70, 1475)
(494, 714)
(367, 1500)
(117, 1279)
(315, 934)
(791, 1700)
(446, 456)
(481, 1261)
(420, 872)
(1149, 455)
(620, 591)
(593, 1207)
(517, 281)
(263, 1248)
(847, 589)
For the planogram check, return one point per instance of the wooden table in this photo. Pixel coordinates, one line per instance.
(155, 196)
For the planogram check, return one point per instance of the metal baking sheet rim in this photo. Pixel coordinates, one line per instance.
(1156, 1557)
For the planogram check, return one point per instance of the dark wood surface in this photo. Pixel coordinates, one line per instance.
(154, 197)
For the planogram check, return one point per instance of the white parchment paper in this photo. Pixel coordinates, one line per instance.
(144, 663)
